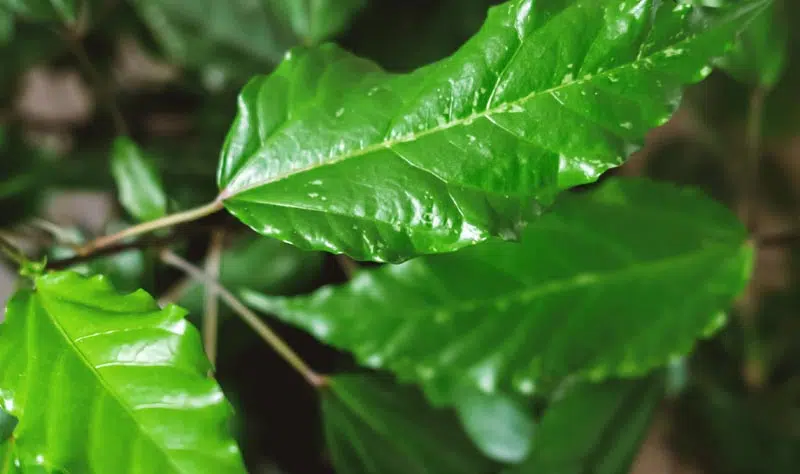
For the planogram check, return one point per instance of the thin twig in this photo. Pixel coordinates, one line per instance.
(211, 306)
(750, 178)
(176, 292)
(145, 227)
(113, 250)
(270, 337)
(753, 370)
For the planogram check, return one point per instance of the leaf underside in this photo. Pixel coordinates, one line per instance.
(99, 380)
(332, 153)
(594, 428)
(591, 290)
(376, 426)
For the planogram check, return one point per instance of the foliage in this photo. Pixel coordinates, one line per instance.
(424, 251)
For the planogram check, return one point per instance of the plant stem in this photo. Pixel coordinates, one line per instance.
(753, 370)
(750, 179)
(270, 337)
(211, 306)
(145, 227)
(12, 252)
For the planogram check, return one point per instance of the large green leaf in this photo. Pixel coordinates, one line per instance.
(592, 289)
(594, 428)
(240, 37)
(331, 153)
(375, 426)
(140, 190)
(43, 9)
(100, 382)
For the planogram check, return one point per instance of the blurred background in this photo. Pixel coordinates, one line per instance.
(168, 71)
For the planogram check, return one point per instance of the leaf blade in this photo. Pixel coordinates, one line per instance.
(374, 425)
(89, 362)
(430, 320)
(332, 153)
(140, 189)
(594, 428)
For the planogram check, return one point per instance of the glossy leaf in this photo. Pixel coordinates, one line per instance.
(260, 264)
(240, 37)
(502, 426)
(594, 428)
(759, 55)
(140, 190)
(591, 290)
(99, 380)
(373, 425)
(331, 153)
(43, 9)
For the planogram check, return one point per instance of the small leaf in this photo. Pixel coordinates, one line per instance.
(237, 38)
(499, 424)
(140, 190)
(594, 428)
(373, 425)
(331, 153)
(591, 290)
(759, 55)
(99, 380)
(318, 20)
(43, 10)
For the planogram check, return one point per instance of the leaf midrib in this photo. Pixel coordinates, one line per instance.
(113, 394)
(228, 193)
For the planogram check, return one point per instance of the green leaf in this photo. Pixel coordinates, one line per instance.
(317, 20)
(500, 425)
(240, 37)
(99, 380)
(260, 264)
(331, 153)
(43, 10)
(594, 428)
(140, 190)
(759, 55)
(591, 290)
(373, 425)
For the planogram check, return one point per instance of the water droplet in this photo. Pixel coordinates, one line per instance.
(626, 125)
(567, 78)
(339, 112)
(374, 361)
(670, 52)
(316, 182)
